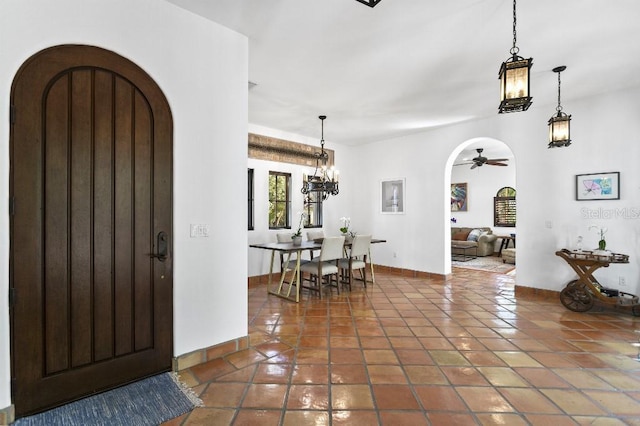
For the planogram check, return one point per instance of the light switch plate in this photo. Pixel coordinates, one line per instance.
(199, 230)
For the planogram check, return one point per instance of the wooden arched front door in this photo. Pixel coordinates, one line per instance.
(91, 226)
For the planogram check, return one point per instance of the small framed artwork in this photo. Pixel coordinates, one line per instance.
(392, 196)
(598, 186)
(459, 197)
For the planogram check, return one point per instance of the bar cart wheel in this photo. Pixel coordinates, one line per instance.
(576, 297)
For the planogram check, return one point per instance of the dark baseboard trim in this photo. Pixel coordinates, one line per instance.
(200, 356)
(536, 292)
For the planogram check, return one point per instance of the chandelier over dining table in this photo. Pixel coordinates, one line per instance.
(324, 180)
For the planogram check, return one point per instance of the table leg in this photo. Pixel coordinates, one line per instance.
(373, 274)
(504, 243)
(283, 275)
(298, 277)
(295, 275)
(273, 255)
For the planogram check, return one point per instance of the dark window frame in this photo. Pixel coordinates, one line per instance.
(251, 200)
(274, 203)
(504, 208)
(313, 208)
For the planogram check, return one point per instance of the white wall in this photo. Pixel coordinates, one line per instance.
(202, 69)
(604, 133)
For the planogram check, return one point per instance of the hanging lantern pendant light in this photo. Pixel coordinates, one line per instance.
(560, 123)
(324, 181)
(514, 78)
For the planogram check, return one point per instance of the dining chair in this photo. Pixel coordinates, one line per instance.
(312, 236)
(323, 269)
(356, 260)
(315, 235)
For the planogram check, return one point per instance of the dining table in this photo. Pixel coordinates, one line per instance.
(283, 288)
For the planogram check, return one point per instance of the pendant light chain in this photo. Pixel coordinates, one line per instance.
(559, 107)
(322, 133)
(514, 50)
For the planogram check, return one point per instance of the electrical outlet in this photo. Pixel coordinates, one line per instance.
(622, 282)
(395, 254)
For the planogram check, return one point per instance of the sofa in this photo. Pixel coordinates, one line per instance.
(481, 238)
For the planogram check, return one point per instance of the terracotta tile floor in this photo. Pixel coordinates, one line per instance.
(420, 352)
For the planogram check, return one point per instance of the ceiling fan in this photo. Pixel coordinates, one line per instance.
(479, 161)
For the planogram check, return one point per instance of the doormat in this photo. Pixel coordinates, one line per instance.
(485, 263)
(150, 401)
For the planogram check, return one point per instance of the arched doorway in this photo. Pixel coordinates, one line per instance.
(475, 172)
(90, 226)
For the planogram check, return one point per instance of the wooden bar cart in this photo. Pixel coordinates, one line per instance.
(580, 295)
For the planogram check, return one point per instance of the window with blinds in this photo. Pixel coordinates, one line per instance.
(504, 207)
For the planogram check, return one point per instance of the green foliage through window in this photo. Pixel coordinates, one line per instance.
(313, 209)
(279, 200)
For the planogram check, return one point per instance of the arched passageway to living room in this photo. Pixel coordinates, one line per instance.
(476, 171)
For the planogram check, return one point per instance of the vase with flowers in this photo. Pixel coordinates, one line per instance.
(296, 238)
(344, 229)
(602, 243)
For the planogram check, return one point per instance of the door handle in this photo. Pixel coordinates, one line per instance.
(162, 246)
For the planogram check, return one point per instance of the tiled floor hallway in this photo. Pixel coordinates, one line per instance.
(418, 352)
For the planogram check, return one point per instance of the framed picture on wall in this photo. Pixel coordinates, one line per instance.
(459, 197)
(598, 186)
(392, 196)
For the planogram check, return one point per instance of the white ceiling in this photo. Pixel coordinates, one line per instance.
(408, 65)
